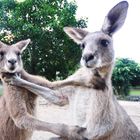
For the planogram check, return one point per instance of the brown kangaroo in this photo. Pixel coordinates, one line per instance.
(89, 89)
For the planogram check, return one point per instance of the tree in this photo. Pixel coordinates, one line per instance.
(126, 73)
(51, 51)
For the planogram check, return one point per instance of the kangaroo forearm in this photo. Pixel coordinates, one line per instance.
(44, 82)
(55, 97)
(48, 94)
(56, 84)
(59, 96)
(35, 79)
(31, 123)
(67, 82)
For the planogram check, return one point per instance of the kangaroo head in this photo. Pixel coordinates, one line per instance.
(97, 47)
(10, 56)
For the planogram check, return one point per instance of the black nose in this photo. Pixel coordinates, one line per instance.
(12, 61)
(88, 57)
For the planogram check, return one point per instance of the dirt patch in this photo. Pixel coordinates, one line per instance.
(55, 114)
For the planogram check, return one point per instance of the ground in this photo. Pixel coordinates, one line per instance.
(54, 114)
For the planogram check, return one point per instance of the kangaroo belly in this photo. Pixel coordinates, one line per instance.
(8, 129)
(80, 106)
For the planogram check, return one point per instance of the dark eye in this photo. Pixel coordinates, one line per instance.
(18, 54)
(82, 46)
(104, 42)
(1, 53)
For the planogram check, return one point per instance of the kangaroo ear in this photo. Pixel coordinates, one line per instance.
(76, 34)
(115, 18)
(22, 44)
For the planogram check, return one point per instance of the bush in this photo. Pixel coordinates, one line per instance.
(51, 51)
(126, 74)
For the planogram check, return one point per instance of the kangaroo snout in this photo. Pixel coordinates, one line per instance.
(12, 61)
(88, 57)
(12, 64)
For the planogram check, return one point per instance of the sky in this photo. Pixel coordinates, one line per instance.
(127, 39)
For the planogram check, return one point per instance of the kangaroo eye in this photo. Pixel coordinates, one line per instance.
(104, 42)
(1, 53)
(82, 46)
(18, 54)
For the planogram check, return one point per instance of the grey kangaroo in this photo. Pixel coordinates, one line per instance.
(89, 89)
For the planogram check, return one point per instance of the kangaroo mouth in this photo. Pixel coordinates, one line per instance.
(90, 65)
(8, 74)
(12, 68)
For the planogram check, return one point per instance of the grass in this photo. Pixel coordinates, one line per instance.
(135, 92)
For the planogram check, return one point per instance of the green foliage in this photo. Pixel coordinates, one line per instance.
(126, 74)
(51, 51)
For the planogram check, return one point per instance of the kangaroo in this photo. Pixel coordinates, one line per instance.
(89, 89)
(17, 105)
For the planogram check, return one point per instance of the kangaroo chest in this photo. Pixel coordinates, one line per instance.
(81, 105)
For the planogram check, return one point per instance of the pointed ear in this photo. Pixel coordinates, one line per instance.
(115, 18)
(22, 44)
(76, 34)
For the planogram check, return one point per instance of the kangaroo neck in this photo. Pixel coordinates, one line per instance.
(105, 71)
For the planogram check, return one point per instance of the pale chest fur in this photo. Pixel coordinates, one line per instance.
(81, 105)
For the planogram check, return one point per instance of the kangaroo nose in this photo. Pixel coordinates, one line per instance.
(12, 61)
(88, 57)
